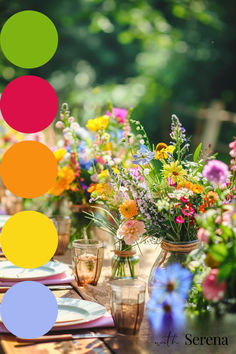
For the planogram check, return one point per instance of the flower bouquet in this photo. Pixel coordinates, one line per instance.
(75, 159)
(218, 235)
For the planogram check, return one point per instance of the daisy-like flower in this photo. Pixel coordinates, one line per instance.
(129, 209)
(143, 156)
(188, 210)
(216, 172)
(167, 316)
(212, 290)
(184, 199)
(174, 280)
(119, 113)
(174, 171)
(162, 151)
(130, 230)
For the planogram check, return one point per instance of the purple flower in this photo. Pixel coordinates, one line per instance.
(119, 114)
(174, 281)
(143, 156)
(166, 316)
(216, 172)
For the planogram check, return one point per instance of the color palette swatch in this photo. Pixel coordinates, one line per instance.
(28, 169)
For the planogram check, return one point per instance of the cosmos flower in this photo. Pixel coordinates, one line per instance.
(143, 156)
(130, 230)
(166, 316)
(174, 280)
(212, 290)
(119, 113)
(216, 172)
(129, 209)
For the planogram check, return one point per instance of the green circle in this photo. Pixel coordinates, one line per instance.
(29, 39)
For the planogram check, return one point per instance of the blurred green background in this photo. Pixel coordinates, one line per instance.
(160, 57)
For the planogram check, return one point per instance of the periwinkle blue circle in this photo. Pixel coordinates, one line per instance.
(29, 309)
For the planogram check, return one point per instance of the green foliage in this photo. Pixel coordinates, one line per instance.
(148, 54)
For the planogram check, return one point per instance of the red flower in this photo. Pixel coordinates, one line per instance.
(179, 219)
(184, 199)
(188, 210)
(212, 290)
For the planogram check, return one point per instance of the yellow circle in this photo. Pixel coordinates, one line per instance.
(29, 239)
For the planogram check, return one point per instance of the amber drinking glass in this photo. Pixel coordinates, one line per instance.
(127, 304)
(87, 260)
(62, 224)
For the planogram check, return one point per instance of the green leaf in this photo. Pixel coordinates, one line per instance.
(226, 231)
(225, 271)
(219, 252)
(197, 152)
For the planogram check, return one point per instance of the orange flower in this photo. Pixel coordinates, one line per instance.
(91, 188)
(129, 209)
(211, 197)
(197, 189)
(188, 185)
(202, 208)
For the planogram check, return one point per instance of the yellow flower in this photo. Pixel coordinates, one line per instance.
(197, 189)
(162, 151)
(129, 209)
(59, 154)
(105, 173)
(174, 171)
(98, 123)
(64, 178)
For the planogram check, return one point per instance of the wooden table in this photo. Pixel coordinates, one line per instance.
(142, 343)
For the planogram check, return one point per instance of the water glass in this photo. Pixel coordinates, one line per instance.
(62, 224)
(87, 260)
(127, 304)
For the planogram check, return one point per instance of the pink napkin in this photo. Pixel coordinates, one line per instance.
(63, 278)
(104, 321)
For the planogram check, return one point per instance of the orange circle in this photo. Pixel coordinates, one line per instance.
(28, 169)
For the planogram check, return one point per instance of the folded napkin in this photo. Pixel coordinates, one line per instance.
(104, 321)
(63, 278)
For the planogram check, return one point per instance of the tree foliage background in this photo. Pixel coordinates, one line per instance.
(158, 56)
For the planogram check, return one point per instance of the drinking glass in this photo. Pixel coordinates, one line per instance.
(62, 224)
(87, 261)
(127, 304)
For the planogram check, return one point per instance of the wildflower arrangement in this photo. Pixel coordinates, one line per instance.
(218, 235)
(163, 188)
(74, 161)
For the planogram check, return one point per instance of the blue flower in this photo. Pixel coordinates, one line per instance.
(143, 156)
(174, 280)
(166, 316)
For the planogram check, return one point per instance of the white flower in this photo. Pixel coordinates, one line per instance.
(75, 126)
(142, 142)
(146, 171)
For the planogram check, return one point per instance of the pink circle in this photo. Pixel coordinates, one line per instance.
(29, 104)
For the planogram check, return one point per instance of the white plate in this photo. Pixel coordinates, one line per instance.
(76, 311)
(10, 272)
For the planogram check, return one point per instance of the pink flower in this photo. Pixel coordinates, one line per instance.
(135, 173)
(212, 290)
(170, 182)
(71, 119)
(59, 125)
(119, 114)
(130, 231)
(184, 199)
(179, 219)
(203, 235)
(188, 210)
(233, 148)
(216, 172)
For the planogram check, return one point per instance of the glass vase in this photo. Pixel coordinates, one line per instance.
(171, 252)
(125, 264)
